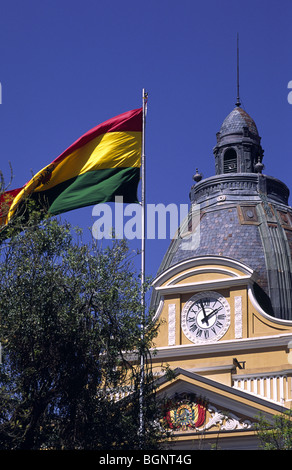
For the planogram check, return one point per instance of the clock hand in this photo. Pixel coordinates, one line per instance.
(211, 314)
(204, 313)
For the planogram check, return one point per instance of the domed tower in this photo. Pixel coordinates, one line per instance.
(238, 148)
(244, 216)
(223, 295)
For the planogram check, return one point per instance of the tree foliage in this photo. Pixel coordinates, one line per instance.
(70, 314)
(275, 434)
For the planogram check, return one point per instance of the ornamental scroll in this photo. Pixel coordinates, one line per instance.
(184, 412)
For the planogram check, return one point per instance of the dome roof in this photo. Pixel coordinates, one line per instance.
(236, 121)
(241, 217)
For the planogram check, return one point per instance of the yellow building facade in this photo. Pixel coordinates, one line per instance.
(223, 301)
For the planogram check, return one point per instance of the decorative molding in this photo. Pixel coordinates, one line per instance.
(225, 420)
(238, 316)
(205, 285)
(222, 261)
(247, 214)
(241, 184)
(233, 346)
(171, 324)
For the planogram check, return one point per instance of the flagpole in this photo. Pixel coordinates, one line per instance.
(143, 220)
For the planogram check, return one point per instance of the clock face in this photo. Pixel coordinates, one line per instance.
(205, 317)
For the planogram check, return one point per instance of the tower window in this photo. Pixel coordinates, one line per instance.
(230, 161)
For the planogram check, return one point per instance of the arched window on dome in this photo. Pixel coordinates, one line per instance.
(230, 161)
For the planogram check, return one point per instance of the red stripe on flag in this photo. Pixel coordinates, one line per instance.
(131, 121)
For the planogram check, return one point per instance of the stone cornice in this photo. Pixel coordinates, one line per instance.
(230, 346)
(201, 286)
(241, 184)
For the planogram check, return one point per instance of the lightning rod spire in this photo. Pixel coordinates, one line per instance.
(238, 103)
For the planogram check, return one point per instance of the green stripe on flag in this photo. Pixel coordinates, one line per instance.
(93, 187)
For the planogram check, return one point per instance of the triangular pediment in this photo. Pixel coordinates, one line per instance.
(201, 411)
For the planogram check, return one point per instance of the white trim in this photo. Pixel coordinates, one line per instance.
(238, 316)
(204, 285)
(272, 386)
(158, 310)
(171, 324)
(256, 305)
(234, 346)
(262, 375)
(220, 368)
(199, 261)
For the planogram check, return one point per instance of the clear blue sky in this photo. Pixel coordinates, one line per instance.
(66, 66)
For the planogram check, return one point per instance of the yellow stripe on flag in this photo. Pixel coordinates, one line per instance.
(111, 150)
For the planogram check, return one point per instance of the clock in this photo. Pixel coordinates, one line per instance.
(205, 317)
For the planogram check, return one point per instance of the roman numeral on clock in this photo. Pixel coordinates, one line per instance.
(193, 327)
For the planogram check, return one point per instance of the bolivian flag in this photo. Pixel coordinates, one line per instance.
(103, 163)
